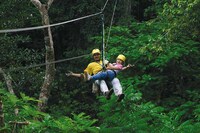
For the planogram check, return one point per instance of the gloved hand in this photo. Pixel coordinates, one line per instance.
(106, 62)
(69, 73)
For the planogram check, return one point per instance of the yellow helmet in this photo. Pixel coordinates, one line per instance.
(95, 51)
(121, 57)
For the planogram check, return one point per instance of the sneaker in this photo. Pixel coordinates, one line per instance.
(109, 93)
(120, 97)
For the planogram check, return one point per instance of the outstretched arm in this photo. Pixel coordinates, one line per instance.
(128, 66)
(111, 66)
(70, 73)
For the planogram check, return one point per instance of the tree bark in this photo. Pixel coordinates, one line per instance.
(8, 80)
(50, 57)
(2, 124)
(125, 6)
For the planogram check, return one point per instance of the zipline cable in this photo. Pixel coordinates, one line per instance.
(111, 22)
(47, 63)
(103, 41)
(52, 25)
(103, 31)
(103, 35)
(102, 10)
(57, 24)
(46, 26)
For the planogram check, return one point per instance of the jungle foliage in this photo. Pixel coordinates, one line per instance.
(161, 39)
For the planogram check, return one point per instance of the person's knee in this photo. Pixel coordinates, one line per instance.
(115, 81)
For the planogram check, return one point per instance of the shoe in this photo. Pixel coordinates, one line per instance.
(120, 97)
(109, 93)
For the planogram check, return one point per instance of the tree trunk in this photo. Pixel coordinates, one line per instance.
(127, 8)
(2, 124)
(50, 57)
(8, 80)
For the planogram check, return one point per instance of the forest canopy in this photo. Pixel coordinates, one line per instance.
(160, 38)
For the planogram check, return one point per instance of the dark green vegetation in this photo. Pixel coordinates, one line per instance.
(162, 91)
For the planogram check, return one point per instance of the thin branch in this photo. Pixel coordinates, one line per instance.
(19, 122)
(37, 3)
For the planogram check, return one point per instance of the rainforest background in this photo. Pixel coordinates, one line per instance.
(162, 91)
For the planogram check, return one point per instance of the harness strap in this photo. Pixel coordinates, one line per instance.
(103, 66)
(114, 72)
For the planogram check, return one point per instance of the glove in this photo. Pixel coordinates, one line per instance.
(106, 62)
